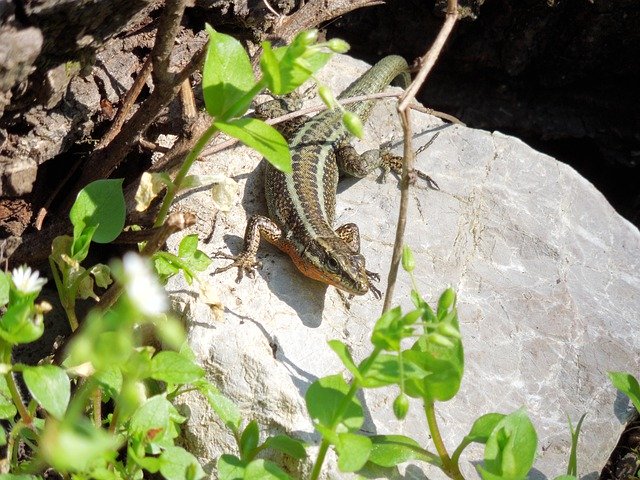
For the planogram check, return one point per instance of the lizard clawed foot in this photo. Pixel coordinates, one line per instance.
(372, 276)
(245, 263)
(393, 163)
(431, 183)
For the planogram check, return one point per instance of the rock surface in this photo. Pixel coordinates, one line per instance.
(547, 280)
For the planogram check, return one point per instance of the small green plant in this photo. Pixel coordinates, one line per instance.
(190, 260)
(97, 215)
(627, 384)
(64, 424)
(430, 370)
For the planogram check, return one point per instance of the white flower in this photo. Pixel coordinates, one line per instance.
(27, 281)
(142, 285)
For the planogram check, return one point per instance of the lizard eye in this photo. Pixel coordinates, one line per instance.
(332, 264)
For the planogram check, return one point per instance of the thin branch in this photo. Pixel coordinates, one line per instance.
(165, 39)
(429, 59)
(127, 103)
(427, 62)
(321, 107)
(315, 12)
(104, 161)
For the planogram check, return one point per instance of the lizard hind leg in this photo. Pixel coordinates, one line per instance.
(359, 165)
(246, 261)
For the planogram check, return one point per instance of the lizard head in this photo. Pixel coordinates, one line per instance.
(330, 260)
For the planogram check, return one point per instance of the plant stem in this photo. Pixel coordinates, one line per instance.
(63, 293)
(317, 466)
(450, 468)
(355, 384)
(182, 173)
(96, 398)
(17, 399)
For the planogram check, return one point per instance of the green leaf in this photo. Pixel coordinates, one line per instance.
(480, 432)
(70, 447)
(166, 265)
(439, 352)
(150, 464)
(7, 408)
(81, 243)
(264, 470)
(627, 384)
(178, 464)
(385, 370)
(325, 398)
(196, 260)
(50, 387)
(483, 427)
(283, 443)
(572, 467)
(151, 418)
(5, 285)
(510, 449)
(20, 323)
(99, 204)
(261, 137)
(387, 331)
(171, 367)
(3, 437)
(224, 408)
(392, 450)
(230, 468)
(227, 76)
(566, 477)
(249, 440)
(286, 68)
(343, 353)
(353, 451)
(110, 380)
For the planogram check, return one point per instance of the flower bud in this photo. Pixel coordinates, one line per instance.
(446, 302)
(327, 96)
(338, 45)
(308, 37)
(353, 124)
(401, 406)
(408, 262)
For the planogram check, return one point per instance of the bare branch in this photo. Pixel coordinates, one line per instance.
(165, 39)
(127, 102)
(427, 62)
(314, 12)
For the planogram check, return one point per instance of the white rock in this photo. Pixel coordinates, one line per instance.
(547, 280)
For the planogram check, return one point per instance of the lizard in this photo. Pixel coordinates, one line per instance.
(302, 203)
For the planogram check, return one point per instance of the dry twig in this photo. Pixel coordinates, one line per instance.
(427, 62)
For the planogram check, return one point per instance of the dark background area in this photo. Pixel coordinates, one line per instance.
(561, 75)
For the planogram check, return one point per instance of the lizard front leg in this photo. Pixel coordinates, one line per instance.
(350, 234)
(246, 262)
